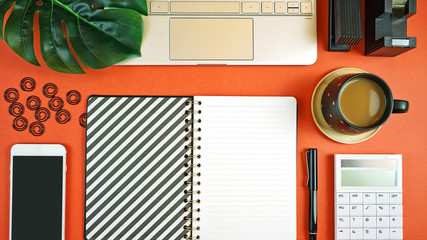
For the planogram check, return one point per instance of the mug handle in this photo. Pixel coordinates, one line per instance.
(400, 106)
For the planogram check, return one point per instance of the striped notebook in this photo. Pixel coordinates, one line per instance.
(190, 168)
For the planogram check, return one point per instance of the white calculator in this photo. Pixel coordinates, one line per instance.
(368, 196)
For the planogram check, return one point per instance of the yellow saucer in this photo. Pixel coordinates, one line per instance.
(316, 111)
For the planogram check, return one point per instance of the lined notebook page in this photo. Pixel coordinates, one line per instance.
(248, 168)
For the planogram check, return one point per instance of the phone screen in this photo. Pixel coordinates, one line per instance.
(37, 197)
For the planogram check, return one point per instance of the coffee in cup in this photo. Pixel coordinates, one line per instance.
(355, 103)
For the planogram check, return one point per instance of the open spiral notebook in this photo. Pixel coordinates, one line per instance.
(190, 168)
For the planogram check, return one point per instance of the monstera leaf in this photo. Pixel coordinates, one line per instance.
(100, 32)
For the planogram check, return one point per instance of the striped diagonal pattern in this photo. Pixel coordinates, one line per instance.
(135, 168)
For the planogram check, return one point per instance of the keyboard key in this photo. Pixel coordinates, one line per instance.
(343, 198)
(250, 7)
(369, 210)
(343, 222)
(383, 222)
(343, 210)
(343, 234)
(279, 7)
(395, 198)
(356, 222)
(356, 198)
(383, 233)
(205, 7)
(369, 198)
(396, 210)
(396, 233)
(293, 10)
(267, 7)
(305, 7)
(383, 210)
(293, 5)
(369, 222)
(383, 198)
(369, 234)
(396, 222)
(356, 233)
(159, 7)
(356, 210)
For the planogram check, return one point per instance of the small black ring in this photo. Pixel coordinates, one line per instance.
(33, 102)
(20, 123)
(50, 90)
(36, 128)
(16, 106)
(62, 116)
(56, 103)
(82, 120)
(73, 97)
(42, 114)
(11, 92)
(28, 81)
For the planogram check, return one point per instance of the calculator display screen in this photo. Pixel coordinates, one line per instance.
(371, 163)
(375, 177)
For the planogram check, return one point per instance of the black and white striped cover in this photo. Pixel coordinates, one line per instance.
(135, 149)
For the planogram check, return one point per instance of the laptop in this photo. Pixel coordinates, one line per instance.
(228, 32)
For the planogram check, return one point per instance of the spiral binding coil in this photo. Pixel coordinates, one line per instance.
(192, 171)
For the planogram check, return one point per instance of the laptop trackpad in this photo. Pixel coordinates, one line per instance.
(211, 39)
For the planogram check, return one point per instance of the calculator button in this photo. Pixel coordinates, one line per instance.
(343, 234)
(395, 198)
(383, 198)
(396, 210)
(383, 210)
(383, 222)
(369, 198)
(369, 234)
(343, 222)
(356, 233)
(356, 210)
(396, 222)
(356, 222)
(369, 210)
(396, 233)
(356, 198)
(383, 233)
(343, 210)
(343, 198)
(369, 222)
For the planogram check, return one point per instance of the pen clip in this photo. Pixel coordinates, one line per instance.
(308, 171)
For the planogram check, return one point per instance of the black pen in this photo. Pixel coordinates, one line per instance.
(312, 186)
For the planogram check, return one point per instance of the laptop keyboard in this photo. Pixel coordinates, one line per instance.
(267, 8)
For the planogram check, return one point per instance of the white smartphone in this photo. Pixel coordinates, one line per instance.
(37, 192)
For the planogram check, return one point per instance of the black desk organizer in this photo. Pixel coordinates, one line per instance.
(385, 26)
(345, 24)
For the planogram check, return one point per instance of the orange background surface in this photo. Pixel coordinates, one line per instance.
(402, 134)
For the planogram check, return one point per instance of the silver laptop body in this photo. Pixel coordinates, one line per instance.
(228, 32)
